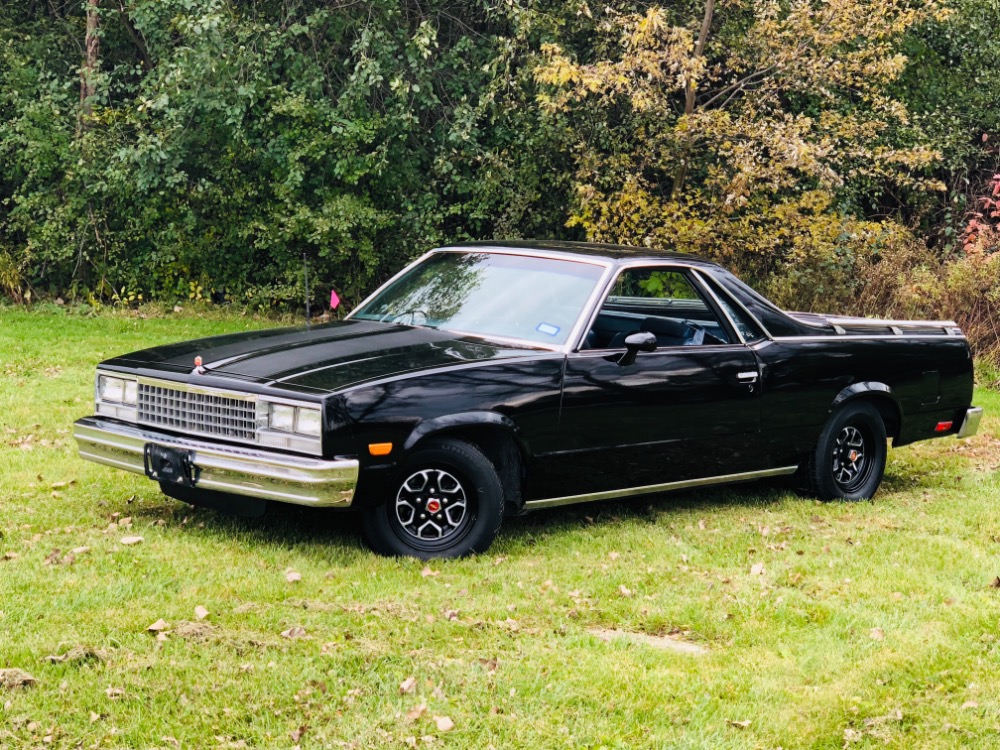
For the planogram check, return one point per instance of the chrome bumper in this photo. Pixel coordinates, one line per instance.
(970, 423)
(299, 480)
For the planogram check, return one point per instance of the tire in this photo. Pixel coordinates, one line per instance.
(849, 459)
(420, 520)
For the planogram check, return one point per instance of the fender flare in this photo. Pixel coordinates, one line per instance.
(466, 419)
(867, 388)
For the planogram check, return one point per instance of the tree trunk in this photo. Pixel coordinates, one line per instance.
(689, 94)
(88, 73)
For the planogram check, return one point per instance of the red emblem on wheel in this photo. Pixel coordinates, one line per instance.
(433, 506)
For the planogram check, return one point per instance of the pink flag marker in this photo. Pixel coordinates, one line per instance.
(334, 300)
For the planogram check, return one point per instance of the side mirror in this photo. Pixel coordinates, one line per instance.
(643, 341)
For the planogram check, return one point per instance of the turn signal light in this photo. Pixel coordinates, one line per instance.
(380, 449)
(943, 426)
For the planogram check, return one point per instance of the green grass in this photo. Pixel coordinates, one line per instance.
(872, 625)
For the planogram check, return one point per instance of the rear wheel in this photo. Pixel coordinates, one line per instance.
(849, 459)
(448, 502)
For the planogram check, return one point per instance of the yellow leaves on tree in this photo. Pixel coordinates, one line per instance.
(731, 140)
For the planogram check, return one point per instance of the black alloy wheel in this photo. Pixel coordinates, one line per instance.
(849, 458)
(448, 502)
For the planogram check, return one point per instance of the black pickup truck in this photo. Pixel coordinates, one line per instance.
(494, 378)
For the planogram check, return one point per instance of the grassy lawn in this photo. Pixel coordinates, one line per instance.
(816, 625)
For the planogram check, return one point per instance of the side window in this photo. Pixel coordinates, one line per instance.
(661, 301)
(747, 327)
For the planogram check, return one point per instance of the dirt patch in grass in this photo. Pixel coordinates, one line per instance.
(664, 642)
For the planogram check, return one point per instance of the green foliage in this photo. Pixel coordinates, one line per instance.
(227, 140)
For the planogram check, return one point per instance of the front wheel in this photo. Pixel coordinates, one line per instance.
(448, 502)
(849, 459)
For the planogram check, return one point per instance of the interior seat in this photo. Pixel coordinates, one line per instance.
(669, 332)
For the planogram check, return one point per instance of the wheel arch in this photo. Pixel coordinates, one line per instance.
(879, 395)
(496, 435)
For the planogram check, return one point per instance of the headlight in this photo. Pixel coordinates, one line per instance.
(300, 420)
(308, 422)
(116, 390)
(282, 418)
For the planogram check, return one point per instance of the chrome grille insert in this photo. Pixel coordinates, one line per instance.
(198, 412)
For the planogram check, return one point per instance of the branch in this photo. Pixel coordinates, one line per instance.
(136, 37)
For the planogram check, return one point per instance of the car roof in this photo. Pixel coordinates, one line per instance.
(613, 253)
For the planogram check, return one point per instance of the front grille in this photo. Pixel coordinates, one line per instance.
(198, 413)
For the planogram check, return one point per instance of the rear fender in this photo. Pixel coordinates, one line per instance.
(883, 397)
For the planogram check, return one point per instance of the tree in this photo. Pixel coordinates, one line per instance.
(750, 142)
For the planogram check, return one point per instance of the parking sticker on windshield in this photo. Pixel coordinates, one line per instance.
(548, 329)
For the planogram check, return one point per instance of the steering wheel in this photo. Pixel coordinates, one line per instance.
(411, 318)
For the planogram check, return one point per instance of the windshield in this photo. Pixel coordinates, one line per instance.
(489, 294)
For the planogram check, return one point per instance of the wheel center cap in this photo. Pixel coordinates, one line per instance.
(433, 505)
(854, 455)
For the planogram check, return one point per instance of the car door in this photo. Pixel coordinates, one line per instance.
(688, 410)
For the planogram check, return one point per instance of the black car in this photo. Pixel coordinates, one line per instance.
(495, 378)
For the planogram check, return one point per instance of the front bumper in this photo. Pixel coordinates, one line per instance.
(970, 423)
(298, 480)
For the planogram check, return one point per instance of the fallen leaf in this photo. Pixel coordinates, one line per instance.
(80, 550)
(292, 577)
(994, 584)
(738, 724)
(757, 569)
(13, 679)
(157, 626)
(428, 572)
(444, 724)
(625, 590)
(113, 692)
(126, 521)
(407, 685)
(970, 704)
(130, 540)
(416, 712)
(200, 612)
(94, 717)
(14, 556)
(613, 555)
(877, 634)
(296, 734)
(295, 632)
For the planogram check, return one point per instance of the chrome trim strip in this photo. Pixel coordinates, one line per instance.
(299, 480)
(566, 255)
(204, 390)
(870, 336)
(647, 489)
(970, 422)
(852, 320)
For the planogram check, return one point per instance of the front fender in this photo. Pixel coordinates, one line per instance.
(452, 422)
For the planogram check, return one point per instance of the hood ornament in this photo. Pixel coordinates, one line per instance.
(198, 369)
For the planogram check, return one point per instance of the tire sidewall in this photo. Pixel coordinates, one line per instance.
(484, 494)
(868, 420)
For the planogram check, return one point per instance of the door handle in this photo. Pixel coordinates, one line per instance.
(747, 377)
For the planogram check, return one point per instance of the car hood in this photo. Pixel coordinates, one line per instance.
(323, 358)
